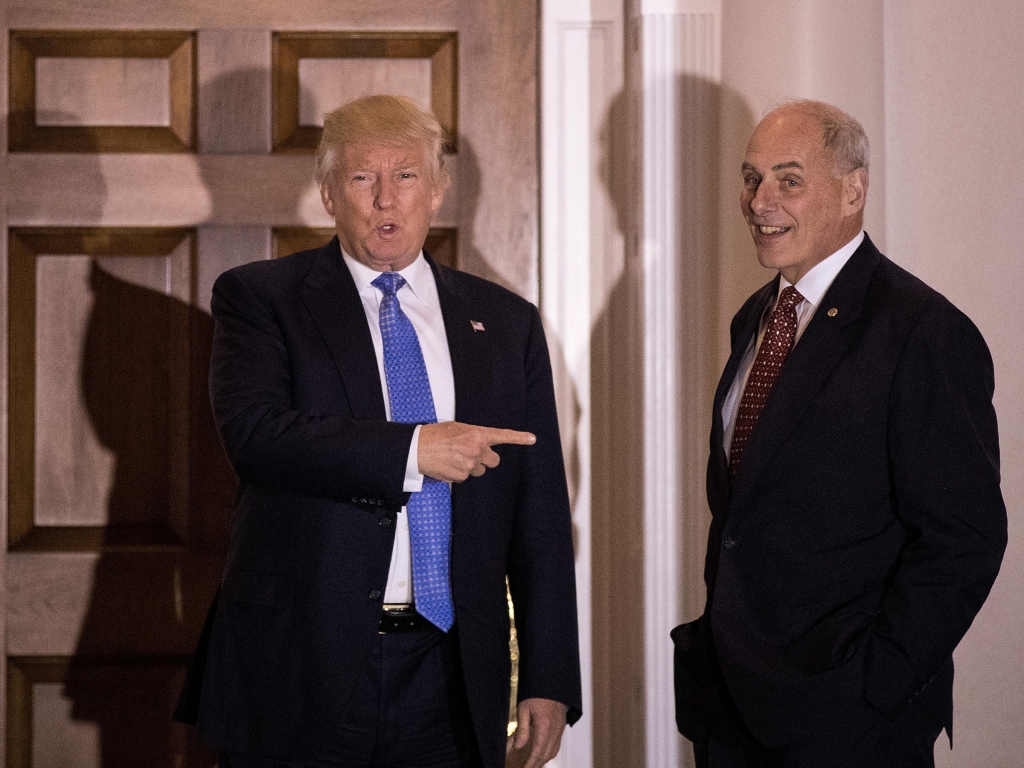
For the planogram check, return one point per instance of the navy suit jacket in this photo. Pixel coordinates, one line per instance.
(865, 526)
(297, 398)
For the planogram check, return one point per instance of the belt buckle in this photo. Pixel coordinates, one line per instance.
(398, 618)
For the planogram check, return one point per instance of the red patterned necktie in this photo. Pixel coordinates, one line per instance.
(778, 340)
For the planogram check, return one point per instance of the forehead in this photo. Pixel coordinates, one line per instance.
(383, 154)
(787, 137)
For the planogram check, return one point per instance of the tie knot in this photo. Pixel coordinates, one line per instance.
(389, 283)
(789, 298)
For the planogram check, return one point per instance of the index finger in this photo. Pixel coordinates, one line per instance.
(495, 436)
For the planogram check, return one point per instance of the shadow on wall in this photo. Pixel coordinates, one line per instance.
(152, 576)
(617, 510)
(145, 361)
(155, 576)
(740, 274)
(471, 258)
(716, 265)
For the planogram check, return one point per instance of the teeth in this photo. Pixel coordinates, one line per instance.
(770, 230)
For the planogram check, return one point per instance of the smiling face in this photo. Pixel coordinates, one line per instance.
(382, 198)
(798, 210)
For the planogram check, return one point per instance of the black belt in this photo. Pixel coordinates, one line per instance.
(403, 619)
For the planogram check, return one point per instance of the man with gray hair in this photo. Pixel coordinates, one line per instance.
(853, 482)
(362, 618)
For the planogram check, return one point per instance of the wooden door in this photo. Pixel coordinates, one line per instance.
(150, 145)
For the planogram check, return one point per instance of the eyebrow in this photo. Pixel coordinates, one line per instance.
(791, 164)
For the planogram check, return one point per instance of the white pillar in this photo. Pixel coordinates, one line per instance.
(677, 44)
(581, 251)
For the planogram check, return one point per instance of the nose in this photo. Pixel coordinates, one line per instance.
(384, 195)
(762, 201)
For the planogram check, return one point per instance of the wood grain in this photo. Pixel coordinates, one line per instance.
(234, 91)
(440, 48)
(129, 602)
(26, 135)
(78, 693)
(135, 337)
(183, 190)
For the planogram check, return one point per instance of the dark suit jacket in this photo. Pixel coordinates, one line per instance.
(865, 527)
(297, 398)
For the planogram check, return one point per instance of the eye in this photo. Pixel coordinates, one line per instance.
(751, 181)
(790, 183)
(407, 175)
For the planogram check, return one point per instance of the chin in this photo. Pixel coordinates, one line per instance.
(394, 261)
(771, 260)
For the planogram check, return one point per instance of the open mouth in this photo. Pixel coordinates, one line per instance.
(387, 229)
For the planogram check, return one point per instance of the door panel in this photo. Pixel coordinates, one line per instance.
(140, 163)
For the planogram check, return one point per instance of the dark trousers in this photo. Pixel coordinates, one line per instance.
(408, 711)
(868, 741)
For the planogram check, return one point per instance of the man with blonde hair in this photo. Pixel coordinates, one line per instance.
(853, 482)
(362, 618)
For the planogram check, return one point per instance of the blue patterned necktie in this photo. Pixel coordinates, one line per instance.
(429, 510)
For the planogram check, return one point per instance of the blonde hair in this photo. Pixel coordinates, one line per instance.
(845, 140)
(381, 119)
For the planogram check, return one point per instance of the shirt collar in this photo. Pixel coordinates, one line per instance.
(813, 285)
(416, 276)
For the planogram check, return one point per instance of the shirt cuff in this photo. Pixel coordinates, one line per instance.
(413, 477)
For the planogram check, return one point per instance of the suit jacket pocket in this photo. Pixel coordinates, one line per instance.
(831, 643)
(702, 705)
(243, 585)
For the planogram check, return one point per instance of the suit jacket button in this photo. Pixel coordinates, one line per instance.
(374, 594)
(728, 542)
(384, 522)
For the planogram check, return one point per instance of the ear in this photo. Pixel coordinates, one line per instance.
(325, 196)
(855, 191)
(437, 197)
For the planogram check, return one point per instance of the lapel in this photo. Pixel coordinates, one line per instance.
(823, 344)
(470, 353)
(330, 295)
(470, 350)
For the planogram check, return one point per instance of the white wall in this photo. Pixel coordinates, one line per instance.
(955, 180)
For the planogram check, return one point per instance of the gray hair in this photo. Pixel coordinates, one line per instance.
(845, 140)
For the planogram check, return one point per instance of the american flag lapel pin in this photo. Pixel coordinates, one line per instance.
(477, 325)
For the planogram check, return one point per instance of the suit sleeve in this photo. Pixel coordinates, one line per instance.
(269, 442)
(541, 568)
(944, 465)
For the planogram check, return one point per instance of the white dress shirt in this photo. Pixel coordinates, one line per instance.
(812, 287)
(422, 306)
